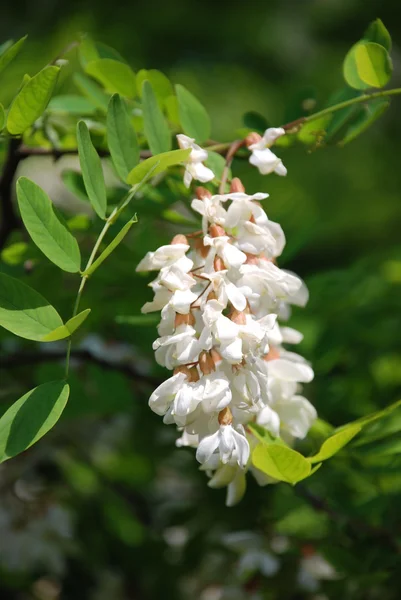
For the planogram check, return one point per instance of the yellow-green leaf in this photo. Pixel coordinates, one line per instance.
(24, 311)
(333, 444)
(64, 331)
(193, 116)
(115, 76)
(112, 246)
(281, 462)
(32, 99)
(121, 138)
(10, 51)
(157, 164)
(367, 65)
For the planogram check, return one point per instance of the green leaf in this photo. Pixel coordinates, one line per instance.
(368, 115)
(333, 444)
(10, 51)
(378, 33)
(2, 117)
(157, 164)
(66, 330)
(281, 462)
(32, 99)
(173, 115)
(92, 91)
(87, 51)
(24, 312)
(71, 104)
(117, 240)
(115, 76)
(193, 116)
(216, 162)
(161, 85)
(91, 170)
(367, 65)
(263, 435)
(14, 254)
(74, 183)
(33, 415)
(47, 227)
(340, 119)
(121, 138)
(156, 128)
(255, 121)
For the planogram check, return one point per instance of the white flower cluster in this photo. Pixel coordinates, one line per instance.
(220, 299)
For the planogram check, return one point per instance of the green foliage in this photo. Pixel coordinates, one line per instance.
(155, 125)
(91, 170)
(30, 417)
(121, 138)
(9, 51)
(280, 462)
(112, 246)
(24, 312)
(71, 104)
(157, 164)
(161, 85)
(336, 442)
(115, 76)
(47, 227)
(66, 330)
(92, 91)
(193, 117)
(32, 99)
(367, 65)
(378, 33)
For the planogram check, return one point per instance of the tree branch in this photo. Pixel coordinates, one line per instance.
(9, 219)
(23, 359)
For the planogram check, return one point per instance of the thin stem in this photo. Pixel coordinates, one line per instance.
(233, 148)
(332, 109)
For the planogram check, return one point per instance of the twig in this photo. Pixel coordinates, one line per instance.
(57, 153)
(9, 219)
(23, 359)
(234, 147)
(65, 51)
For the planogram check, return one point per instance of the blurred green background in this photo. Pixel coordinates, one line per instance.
(105, 507)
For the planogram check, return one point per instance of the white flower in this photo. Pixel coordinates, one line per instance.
(229, 444)
(194, 168)
(220, 305)
(263, 158)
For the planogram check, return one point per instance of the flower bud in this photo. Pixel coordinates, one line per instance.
(201, 248)
(218, 264)
(216, 231)
(237, 185)
(206, 363)
(238, 317)
(202, 193)
(251, 259)
(211, 296)
(187, 319)
(216, 356)
(252, 138)
(193, 375)
(179, 239)
(225, 416)
(272, 354)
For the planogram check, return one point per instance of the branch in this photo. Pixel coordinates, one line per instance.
(9, 219)
(14, 361)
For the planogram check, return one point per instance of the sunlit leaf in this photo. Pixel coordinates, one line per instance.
(112, 246)
(156, 128)
(25, 312)
(46, 226)
(161, 85)
(64, 331)
(378, 33)
(367, 65)
(30, 417)
(31, 101)
(281, 462)
(115, 76)
(157, 164)
(91, 170)
(121, 138)
(333, 444)
(14, 254)
(193, 116)
(9, 51)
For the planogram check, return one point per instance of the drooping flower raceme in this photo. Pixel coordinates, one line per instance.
(221, 297)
